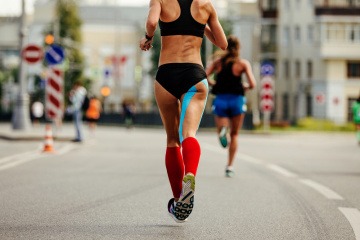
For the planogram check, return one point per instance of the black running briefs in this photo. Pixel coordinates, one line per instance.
(178, 78)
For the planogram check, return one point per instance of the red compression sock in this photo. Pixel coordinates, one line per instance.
(191, 154)
(175, 169)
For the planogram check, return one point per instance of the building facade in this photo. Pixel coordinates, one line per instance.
(315, 48)
(110, 35)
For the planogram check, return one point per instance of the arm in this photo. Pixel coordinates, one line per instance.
(151, 23)
(210, 70)
(214, 31)
(249, 74)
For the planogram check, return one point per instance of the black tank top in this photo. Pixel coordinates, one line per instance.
(227, 83)
(184, 25)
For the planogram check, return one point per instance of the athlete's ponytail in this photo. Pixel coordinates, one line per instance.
(233, 50)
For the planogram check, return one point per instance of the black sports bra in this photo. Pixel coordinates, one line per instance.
(184, 25)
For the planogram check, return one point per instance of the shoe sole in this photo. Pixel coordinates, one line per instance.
(184, 206)
(175, 219)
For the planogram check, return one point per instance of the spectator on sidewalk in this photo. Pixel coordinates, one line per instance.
(93, 113)
(129, 112)
(76, 97)
(37, 110)
(356, 117)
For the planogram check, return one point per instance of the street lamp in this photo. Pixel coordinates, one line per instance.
(21, 114)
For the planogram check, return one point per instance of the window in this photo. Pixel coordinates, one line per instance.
(310, 33)
(287, 4)
(297, 34)
(354, 33)
(286, 38)
(309, 69)
(297, 69)
(353, 69)
(286, 69)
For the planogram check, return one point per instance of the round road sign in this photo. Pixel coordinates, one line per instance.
(55, 54)
(32, 53)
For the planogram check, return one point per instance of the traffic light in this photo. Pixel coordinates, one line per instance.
(49, 39)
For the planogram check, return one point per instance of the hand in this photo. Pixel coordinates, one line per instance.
(145, 44)
(246, 86)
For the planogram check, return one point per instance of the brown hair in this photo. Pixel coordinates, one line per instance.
(232, 52)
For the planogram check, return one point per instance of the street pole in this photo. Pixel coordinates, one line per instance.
(21, 114)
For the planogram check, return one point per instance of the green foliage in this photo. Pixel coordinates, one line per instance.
(227, 25)
(155, 52)
(322, 125)
(70, 29)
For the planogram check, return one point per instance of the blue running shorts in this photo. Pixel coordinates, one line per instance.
(229, 105)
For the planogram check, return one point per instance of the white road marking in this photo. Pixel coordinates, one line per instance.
(213, 148)
(9, 158)
(327, 192)
(353, 216)
(281, 171)
(21, 158)
(242, 156)
(65, 149)
(249, 159)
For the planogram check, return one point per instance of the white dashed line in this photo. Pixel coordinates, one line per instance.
(21, 158)
(281, 170)
(353, 216)
(16, 161)
(10, 158)
(249, 159)
(325, 191)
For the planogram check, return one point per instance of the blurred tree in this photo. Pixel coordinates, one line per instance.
(69, 32)
(155, 52)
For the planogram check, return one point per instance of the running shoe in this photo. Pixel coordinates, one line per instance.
(229, 172)
(172, 213)
(184, 206)
(223, 137)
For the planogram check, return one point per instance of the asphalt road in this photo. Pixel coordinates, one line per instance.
(114, 186)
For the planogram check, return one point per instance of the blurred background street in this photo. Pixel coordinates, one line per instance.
(297, 172)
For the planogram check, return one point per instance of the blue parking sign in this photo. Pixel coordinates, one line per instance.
(267, 69)
(55, 54)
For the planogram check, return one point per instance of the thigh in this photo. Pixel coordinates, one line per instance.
(169, 108)
(221, 122)
(192, 107)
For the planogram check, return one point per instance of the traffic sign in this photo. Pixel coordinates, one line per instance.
(267, 93)
(320, 98)
(55, 54)
(32, 53)
(267, 69)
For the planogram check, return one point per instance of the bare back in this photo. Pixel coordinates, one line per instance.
(182, 48)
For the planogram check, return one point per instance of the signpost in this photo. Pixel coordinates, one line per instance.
(54, 99)
(21, 115)
(267, 92)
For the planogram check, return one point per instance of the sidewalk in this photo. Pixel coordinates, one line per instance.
(65, 133)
